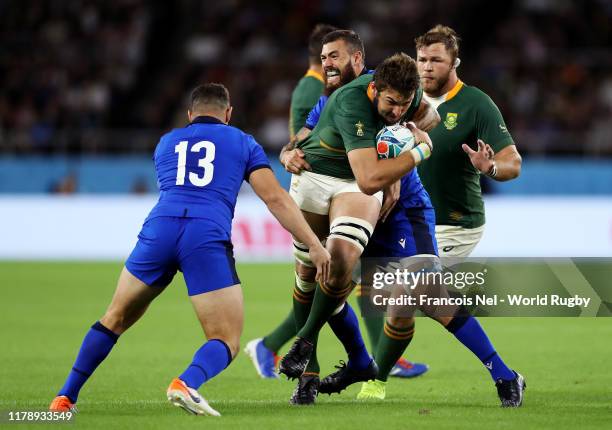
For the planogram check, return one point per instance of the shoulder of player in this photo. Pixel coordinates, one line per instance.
(354, 93)
(307, 84)
(476, 95)
(189, 132)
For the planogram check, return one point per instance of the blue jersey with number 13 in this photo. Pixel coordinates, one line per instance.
(200, 169)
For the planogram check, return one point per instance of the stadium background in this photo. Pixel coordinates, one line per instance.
(87, 88)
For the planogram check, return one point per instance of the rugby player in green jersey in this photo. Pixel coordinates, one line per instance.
(472, 139)
(338, 69)
(342, 58)
(341, 193)
(311, 86)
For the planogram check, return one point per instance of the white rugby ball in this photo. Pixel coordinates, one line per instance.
(392, 140)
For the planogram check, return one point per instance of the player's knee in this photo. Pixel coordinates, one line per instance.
(338, 279)
(226, 333)
(340, 272)
(305, 273)
(115, 321)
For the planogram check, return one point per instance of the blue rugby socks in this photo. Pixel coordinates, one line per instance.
(346, 328)
(469, 332)
(95, 348)
(208, 361)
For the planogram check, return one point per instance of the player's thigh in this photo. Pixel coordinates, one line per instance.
(312, 192)
(130, 301)
(352, 220)
(357, 205)
(318, 223)
(220, 313)
(153, 259)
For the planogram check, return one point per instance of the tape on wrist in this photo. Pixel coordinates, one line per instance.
(420, 152)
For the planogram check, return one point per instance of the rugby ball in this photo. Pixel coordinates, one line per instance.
(392, 140)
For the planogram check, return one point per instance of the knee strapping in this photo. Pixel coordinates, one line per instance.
(300, 252)
(355, 230)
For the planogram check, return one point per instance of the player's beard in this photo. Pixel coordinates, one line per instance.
(432, 87)
(347, 74)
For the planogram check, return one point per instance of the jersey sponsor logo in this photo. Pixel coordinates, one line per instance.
(451, 120)
(402, 242)
(359, 127)
(448, 248)
(489, 365)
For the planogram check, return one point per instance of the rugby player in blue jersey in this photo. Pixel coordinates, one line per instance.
(200, 169)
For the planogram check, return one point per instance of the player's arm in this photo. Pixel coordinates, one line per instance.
(285, 210)
(373, 175)
(496, 155)
(293, 159)
(502, 166)
(426, 117)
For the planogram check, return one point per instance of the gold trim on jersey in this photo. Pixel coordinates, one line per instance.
(329, 148)
(314, 74)
(452, 93)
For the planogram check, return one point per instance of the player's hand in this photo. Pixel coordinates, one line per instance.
(391, 195)
(420, 136)
(482, 159)
(321, 259)
(294, 162)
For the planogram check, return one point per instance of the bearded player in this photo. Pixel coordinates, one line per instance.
(335, 57)
(337, 46)
(341, 194)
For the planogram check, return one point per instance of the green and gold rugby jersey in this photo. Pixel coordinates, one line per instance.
(304, 97)
(348, 121)
(467, 114)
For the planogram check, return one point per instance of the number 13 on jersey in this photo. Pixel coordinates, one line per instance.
(205, 163)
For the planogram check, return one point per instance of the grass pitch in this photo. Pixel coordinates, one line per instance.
(46, 308)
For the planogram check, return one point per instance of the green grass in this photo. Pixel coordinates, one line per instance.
(46, 308)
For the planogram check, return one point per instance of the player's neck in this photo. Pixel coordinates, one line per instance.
(212, 114)
(317, 68)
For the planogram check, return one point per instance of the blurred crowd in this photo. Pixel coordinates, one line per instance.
(99, 76)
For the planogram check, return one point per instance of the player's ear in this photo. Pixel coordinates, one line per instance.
(228, 114)
(189, 115)
(358, 57)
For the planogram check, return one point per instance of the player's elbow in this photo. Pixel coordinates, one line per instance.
(368, 184)
(275, 201)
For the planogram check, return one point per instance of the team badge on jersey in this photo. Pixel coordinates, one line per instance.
(451, 120)
(359, 127)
